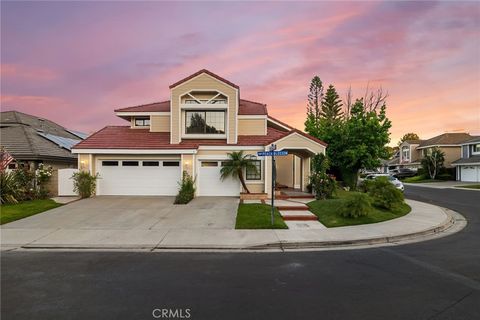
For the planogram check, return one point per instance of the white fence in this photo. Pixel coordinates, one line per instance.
(65, 183)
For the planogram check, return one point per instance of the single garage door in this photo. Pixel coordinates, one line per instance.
(210, 184)
(138, 177)
(470, 173)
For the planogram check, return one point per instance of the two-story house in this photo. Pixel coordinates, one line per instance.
(204, 120)
(468, 166)
(409, 156)
(449, 143)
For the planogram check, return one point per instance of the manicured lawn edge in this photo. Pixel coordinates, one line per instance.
(257, 216)
(12, 212)
(327, 213)
(469, 186)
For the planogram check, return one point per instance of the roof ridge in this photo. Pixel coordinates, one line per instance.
(210, 73)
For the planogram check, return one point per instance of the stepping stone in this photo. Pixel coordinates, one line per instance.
(252, 201)
(304, 225)
(299, 215)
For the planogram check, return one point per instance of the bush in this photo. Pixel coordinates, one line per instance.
(25, 182)
(8, 188)
(84, 184)
(323, 184)
(356, 205)
(383, 193)
(187, 189)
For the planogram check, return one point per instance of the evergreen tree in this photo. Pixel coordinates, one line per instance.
(332, 105)
(314, 107)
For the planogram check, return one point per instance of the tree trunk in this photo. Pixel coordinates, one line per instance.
(242, 181)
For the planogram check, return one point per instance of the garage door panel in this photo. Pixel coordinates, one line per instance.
(210, 183)
(470, 173)
(138, 180)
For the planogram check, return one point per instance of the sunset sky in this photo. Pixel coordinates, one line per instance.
(75, 62)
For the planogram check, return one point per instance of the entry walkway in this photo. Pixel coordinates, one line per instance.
(424, 219)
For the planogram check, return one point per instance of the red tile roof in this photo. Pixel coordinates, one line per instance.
(246, 107)
(163, 106)
(207, 72)
(123, 137)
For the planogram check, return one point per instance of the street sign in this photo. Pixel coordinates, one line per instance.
(272, 153)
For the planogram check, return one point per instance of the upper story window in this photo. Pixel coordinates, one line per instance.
(406, 153)
(142, 122)
(205, 122)
(476, 148)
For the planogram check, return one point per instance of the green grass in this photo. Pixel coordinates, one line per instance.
(327, 212)
(257, 216)
(420, 179)
(470, 186)
(12, 212)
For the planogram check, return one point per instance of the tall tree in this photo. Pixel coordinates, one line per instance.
(433, 161)
(408, 136)
(332, 105)
(314, 107)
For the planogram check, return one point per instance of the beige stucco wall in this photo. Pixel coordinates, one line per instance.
(255, 188)
(203, 82)
(160, 123)
(297, 141)
(188, 164)
(451, 154)
(83, 162)
(251, 127)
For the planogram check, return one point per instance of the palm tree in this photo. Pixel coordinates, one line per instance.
(235, 165)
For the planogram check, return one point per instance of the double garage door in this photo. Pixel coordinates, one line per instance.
(470, 173)
(138, 177)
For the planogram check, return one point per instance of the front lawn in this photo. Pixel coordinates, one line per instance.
(327, 212)
(470, 186)
(257, 216)
(420, 179)
(12, 212)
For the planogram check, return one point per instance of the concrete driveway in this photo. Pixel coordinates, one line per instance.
(133, 213)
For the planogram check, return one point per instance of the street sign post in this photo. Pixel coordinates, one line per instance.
(272, 153)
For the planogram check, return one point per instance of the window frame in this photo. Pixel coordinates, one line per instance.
(130, 163)
(204, 112)
(474, 146)
(259, 171)
(143, 119)
(111, 163)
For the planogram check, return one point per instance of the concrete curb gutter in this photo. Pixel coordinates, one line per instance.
(389, 234)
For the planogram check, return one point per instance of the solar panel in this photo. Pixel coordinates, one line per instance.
(79, 134)
(62, 142)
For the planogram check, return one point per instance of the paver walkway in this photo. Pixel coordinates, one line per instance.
(296, 215)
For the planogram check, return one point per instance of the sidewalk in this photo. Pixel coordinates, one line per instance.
(443, 185)
(424, 219)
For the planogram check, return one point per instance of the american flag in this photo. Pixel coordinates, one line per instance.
(5, 159)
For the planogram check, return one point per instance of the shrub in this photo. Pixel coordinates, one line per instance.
(42, 175)
(187, 189)
(323, 185)
(356, 205)
(383, 193)
(8, 188)
(84, 184)
(25, 182)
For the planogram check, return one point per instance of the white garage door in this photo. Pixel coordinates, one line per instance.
(210, 184)
(470, 173)
(138, 177)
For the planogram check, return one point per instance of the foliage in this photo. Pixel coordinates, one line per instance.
(433, 161)
(356, 205)
(12, 212)
(384, 193)
(328, 215)
(408, 136)
(8, 188)
(258, 216)
(357, 138)
(25, 182)
(235, 165)
(187, 189)
(314, 107)
(84, 183)
(42, 176)
(322, 183)
(332, 105)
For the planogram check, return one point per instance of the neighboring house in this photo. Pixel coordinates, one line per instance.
(204, 120)
(449, 143)
(409, 155)
(468, 166)
(33, 140)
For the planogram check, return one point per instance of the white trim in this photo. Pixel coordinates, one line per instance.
(439, 146)
(203, 106)
(237, 106)
(249, 116)
(266, 125)
(296, 133)
(171, 117)
(203, 136)
(470, 143)
(259, 148)
(297, 148)
(279, 124)
(143, 114)
(198, 75)
(134, 151)
(466, 164)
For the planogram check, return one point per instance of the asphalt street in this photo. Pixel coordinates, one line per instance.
(436, 279)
